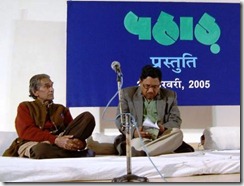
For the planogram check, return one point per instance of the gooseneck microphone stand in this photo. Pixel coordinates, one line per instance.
(126, 121)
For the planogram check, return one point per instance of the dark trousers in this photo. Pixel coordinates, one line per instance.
(81, 127)
(120, 144)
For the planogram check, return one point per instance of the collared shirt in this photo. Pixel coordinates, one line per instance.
(150, 110)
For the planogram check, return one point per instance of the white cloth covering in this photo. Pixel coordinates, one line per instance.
(109, 167)
(222, 138)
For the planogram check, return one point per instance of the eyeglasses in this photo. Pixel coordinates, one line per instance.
(146, 86)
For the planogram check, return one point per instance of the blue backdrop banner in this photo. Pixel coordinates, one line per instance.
(196, 45)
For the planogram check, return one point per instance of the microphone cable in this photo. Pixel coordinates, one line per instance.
(145, 149)
(134, 123)
(109, 102)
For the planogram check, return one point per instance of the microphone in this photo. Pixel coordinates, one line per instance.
(116, 67)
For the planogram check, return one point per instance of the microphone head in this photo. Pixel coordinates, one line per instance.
(115, 66)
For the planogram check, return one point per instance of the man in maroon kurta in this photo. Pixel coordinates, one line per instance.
(46, 129)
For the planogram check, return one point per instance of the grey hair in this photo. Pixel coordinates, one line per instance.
(35, 83)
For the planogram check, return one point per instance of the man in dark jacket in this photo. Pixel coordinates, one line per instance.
(156, 114)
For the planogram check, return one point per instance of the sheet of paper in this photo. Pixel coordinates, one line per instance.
(148, 123)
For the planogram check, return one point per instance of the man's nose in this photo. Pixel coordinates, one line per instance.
(150, 89)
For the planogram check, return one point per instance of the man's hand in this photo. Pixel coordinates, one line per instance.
(69, 143)
(161, 128)
(142, 133)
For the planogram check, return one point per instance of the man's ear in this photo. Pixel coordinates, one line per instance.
(35, 93)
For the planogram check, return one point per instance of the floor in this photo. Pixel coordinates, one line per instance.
(231, 178)
(206, 178)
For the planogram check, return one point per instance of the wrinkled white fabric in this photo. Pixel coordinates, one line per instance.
(109, 167)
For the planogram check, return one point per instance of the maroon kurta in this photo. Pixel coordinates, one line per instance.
(28, 128)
